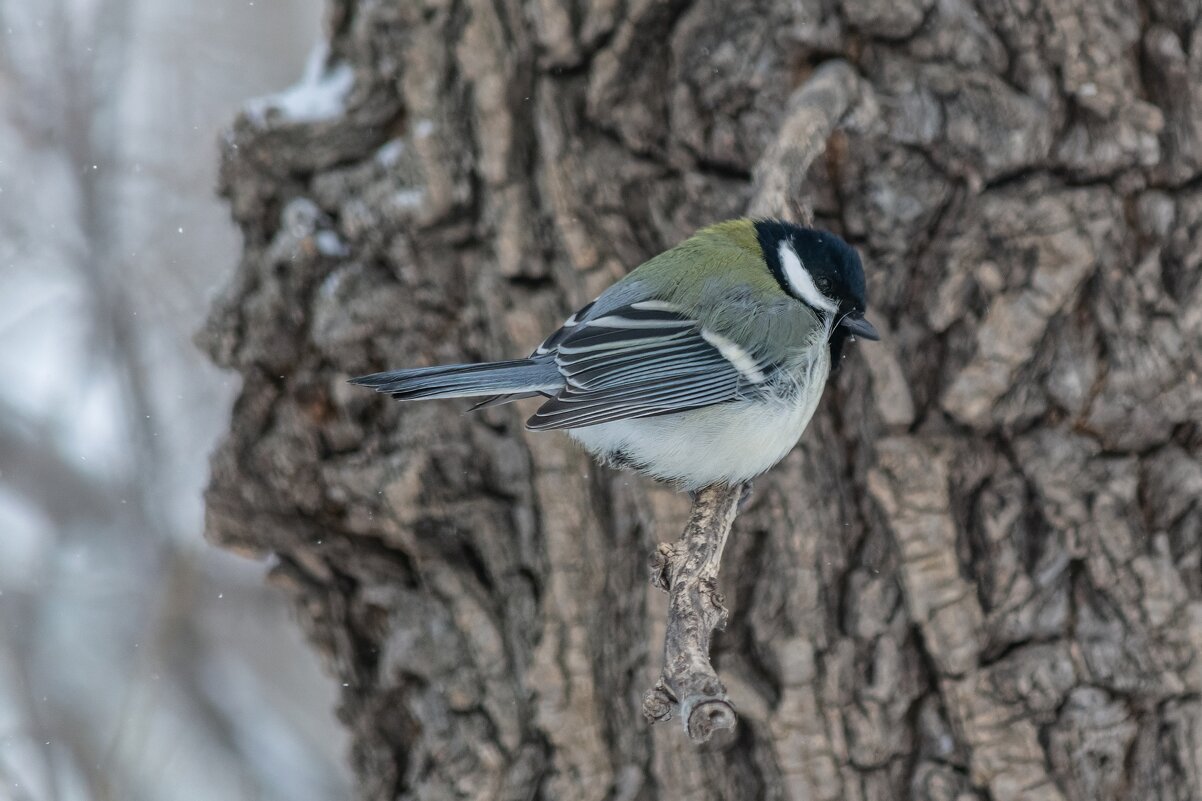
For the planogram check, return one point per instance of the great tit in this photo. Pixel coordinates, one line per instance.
(703, 365)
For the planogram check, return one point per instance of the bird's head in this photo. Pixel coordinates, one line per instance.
(820, 270)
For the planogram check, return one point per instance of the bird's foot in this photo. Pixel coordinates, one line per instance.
(745, 495)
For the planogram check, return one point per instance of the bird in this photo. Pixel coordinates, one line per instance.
(702, 366)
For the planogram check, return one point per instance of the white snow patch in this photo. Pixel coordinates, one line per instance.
(408, 198)
(423, 128)
(320, 94)
(390, 153)
(329, 244)
(301, 217)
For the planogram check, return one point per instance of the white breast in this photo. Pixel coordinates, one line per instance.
(729, 442)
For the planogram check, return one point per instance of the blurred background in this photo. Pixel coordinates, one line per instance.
(136, 662)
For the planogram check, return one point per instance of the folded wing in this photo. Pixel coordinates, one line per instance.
(642, 360)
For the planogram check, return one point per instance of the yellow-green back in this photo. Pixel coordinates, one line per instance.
(719, 277)
(726, 254)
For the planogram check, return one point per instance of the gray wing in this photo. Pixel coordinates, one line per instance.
(560, 334)
(547, 346)
(642, 360)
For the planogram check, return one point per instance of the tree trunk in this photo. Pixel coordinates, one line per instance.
(978, 577)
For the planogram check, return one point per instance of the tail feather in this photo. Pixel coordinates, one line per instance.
(501, 400)
(517, 376)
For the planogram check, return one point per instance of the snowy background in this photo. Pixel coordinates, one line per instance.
(136, 662)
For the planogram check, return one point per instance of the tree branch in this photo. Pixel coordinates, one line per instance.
(813, 112)
(688, 569)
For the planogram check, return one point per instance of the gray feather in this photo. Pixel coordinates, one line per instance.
(641, 360)
(501, 400)
(518, 376)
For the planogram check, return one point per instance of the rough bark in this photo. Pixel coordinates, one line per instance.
(978, 576)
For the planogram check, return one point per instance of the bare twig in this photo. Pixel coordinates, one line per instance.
(812, 114)
(688, 569)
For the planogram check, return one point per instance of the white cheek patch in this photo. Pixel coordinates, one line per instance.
(800, 279)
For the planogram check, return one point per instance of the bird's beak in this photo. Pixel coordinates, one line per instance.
(856, 324)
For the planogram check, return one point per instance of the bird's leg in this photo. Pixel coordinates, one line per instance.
(688, 571)
(745, 495)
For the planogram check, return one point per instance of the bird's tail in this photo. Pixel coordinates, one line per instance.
(515, 377)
